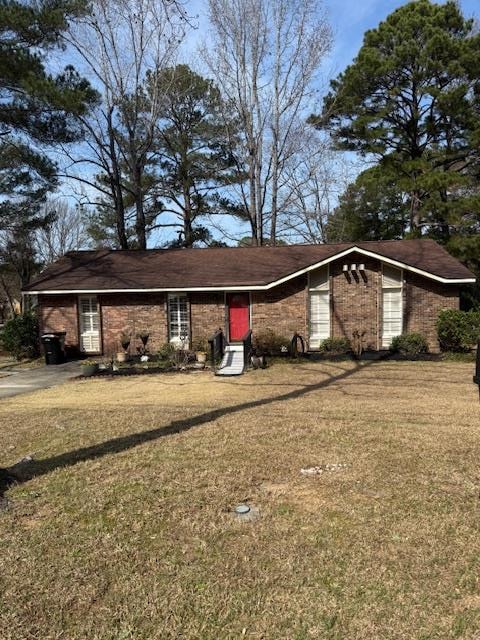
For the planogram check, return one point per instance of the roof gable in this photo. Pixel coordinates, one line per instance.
(232, 268)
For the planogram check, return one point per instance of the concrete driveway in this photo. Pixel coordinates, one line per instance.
(15, 381)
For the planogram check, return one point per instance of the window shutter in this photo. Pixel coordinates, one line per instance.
(319, 303)
(89, 324)
(178, 321)
(392, 299)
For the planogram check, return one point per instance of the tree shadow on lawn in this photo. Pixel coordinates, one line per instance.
(25, 471)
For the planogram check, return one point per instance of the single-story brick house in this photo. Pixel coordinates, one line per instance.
(319, 291)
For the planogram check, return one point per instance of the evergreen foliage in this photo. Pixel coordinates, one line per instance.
(37, 111)
(458, 330)
(371, 208)
(20, 336)
(410, 345)
(410, 101)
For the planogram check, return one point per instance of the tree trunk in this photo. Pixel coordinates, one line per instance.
(117, 187)
(415, 221)
(140, 229)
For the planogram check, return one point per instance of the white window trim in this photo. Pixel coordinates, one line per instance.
(98, 333)
(176, 339)
(385, 342)
(327, 291)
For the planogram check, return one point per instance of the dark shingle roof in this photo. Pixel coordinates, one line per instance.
(225, 267)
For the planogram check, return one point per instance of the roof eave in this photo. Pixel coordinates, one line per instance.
(270, 285)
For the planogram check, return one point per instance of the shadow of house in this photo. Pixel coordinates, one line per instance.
(25, 471)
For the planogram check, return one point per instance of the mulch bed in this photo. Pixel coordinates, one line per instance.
(139, 371)
(375, 355)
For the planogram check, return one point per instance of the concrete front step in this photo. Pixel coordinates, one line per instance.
(232, 363)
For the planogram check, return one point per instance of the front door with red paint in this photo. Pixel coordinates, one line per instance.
(238, 315)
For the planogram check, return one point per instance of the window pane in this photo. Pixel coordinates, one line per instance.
(392, 277)
(178, 318)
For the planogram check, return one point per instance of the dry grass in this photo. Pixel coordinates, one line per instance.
(7, 362)
(125, 529)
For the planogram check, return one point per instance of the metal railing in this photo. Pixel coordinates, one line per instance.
(217, 347)
(247, 348)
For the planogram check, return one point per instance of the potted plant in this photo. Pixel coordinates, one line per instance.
(143, 336)
(89, 368)
(125, 339)
(200, 346)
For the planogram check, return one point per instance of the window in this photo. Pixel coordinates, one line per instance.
(319, 303)
(89, 324)
(392, 324)
(178, 325)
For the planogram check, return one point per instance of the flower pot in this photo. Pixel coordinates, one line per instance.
(89, 370)
(201, 356)
(122, 356)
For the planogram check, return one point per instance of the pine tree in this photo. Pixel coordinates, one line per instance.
(372, 208)
(37, 111)
(410, 101)
(195, 161)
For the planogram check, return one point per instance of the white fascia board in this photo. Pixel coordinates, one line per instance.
(271, 285)
(406, 267)
(156, 290)
(377, 256)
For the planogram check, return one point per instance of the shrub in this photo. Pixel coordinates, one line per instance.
(270, 343)
(20, 336)
(200, 344)
(167, 351)
(409, 344)
(458, 330)
(335, 346)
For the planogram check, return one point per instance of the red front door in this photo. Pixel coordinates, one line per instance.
(238, 315)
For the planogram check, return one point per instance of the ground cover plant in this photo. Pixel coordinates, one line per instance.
(123, 528)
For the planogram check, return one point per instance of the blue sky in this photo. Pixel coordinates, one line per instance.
(351, 18)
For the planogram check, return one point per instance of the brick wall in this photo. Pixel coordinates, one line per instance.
(207, 314)
(283, 309)
(354, 299)
(133, 312)
(59, 313)
(356, 303)
(422, 302)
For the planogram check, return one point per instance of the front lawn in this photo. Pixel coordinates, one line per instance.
(123, 527)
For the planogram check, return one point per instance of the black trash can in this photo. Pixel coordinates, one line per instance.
(54, 347)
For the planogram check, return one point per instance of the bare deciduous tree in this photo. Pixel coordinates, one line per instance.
(265, 58)
(118, 44)
(313, 180)
(64, 231)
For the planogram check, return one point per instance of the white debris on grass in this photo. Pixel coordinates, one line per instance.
(323, 468)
